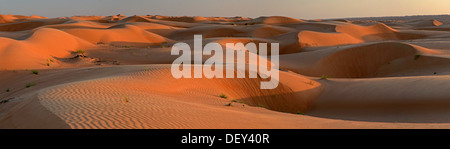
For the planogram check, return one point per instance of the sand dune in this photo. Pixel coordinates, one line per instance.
(274, 20)
(17, 18)
(128, 33)
(72, 102)
(7, 18)
(77, 24)
(114, 72)
(27, 25)
(256, 31)
(445, 27)
(398, 100)
(267, 31)
(353, 34)
(314, 26)
(134, 19)
(311, 38)
(187, 19)
(160, 29)
(207, 32)
(424, 23)
(366, 60)
(35, 51)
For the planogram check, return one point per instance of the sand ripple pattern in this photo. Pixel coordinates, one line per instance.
(103, 104)
(100, 104)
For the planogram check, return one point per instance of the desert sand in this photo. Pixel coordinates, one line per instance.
(114, 72)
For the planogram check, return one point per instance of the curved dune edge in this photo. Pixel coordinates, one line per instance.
(365, 61)
(128, 33)
(418, 99)
(31, 114)
(153, 99)
(24, 111)
(33, 52)
(28, 25)
(99, 103)
(347, 33)
(17, 18)
(445, 27)
(275, 20)
(212, 31)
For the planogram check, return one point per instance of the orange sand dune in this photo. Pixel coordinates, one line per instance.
(369, 60)
(35, 51)
(27, 25)
(160, 29)
(77, 24)
(199, 19)
(207, 32)
(114, 18)
(114, 72)
(314, 26)
(199, 92)
(150, 106)
(257, 31)
(127, 33)
(15, 35)
(187, 19)
(412, 24)
(424, 23)
(134, 19)
(340, 20)
(89, 18)
(420, 99)
(275, 20)
(172, 23)
(267, 31)
(353, 34)
(311, 38)
(17, 18)
(7, 18)
(445, 27)
(223, 41)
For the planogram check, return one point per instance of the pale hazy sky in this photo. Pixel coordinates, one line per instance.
(302, 9)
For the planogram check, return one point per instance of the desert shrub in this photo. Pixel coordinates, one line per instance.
(29, 85)
(324, 77)
(36, 72)
(223, 96)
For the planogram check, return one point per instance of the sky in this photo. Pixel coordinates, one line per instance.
(301, 9)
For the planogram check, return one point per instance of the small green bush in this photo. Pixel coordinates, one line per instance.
(80, 52)
(29, 85)
(324, 77)
(223, 96)
(417, 56)
(36, 72)
(262, 106)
